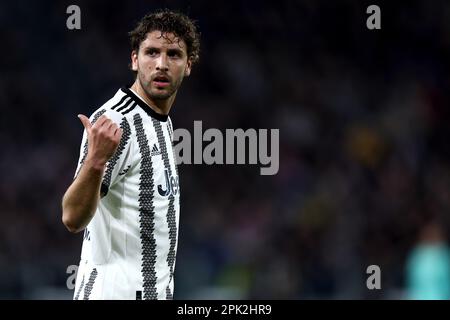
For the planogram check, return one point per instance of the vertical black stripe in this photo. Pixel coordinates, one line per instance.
(171, 222)
(169, 126)
(85, 147)
(113, 161)
(146, 213)
(90, 284)
(77, 296)
(173, 150)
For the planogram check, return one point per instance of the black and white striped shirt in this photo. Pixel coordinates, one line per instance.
(130, 245)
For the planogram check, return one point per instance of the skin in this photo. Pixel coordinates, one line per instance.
(81, 198)
(157, 57)
(160, 55)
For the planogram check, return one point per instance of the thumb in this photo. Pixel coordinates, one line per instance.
(85, 121)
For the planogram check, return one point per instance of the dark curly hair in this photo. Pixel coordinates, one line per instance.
(168, 21)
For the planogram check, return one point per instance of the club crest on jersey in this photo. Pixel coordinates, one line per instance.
(171, 187)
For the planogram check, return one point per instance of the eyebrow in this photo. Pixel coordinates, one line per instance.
(175, 50)
(169, 50)
(151, 48)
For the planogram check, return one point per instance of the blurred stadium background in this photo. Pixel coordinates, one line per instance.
(364, 154)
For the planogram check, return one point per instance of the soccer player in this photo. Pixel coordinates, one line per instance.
(125, 194)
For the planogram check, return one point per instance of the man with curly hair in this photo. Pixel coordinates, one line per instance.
(126, 193)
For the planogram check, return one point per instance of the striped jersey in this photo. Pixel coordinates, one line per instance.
(129, 246)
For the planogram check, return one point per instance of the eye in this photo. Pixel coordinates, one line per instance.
(152, 52)
(174, 54)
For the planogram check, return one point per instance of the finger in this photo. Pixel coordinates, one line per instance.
(118, 133)
(85, 121)
(112, 125)
(101, 121)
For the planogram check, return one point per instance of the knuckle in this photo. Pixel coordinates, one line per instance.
(103, 133)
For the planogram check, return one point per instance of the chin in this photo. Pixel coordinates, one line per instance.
(161, 96)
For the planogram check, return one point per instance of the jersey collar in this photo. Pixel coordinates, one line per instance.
(152, 113)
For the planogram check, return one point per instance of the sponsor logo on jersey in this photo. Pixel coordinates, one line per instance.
(171, 187)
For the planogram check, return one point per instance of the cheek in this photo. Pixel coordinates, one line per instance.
(145, 64)
(181, 71)
(145, 69)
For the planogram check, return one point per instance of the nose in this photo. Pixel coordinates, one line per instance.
(161, 64)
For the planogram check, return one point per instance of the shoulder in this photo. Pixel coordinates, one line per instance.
(119, 109)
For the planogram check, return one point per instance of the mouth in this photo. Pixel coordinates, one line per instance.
(161, 81)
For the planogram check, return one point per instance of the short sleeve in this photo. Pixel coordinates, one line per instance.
(120, 162)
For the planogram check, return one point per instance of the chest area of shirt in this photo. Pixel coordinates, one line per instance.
(155, 161)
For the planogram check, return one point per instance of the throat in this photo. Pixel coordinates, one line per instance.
(161, 106)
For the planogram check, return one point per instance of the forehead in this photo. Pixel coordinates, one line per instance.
(168, 40)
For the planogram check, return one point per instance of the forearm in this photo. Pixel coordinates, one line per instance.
(81, 198)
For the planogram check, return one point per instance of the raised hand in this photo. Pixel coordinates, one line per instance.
(103, 138)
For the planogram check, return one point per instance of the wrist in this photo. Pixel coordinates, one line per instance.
(96, 164)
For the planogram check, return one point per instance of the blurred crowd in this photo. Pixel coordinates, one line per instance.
(364, 175)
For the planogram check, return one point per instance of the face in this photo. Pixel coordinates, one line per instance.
(161, 64)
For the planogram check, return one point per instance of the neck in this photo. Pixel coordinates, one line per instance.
(161, 106)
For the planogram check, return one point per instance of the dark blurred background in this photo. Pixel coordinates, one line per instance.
(364, 174)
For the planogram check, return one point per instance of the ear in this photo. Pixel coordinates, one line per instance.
(134, 62)
(187, 70)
